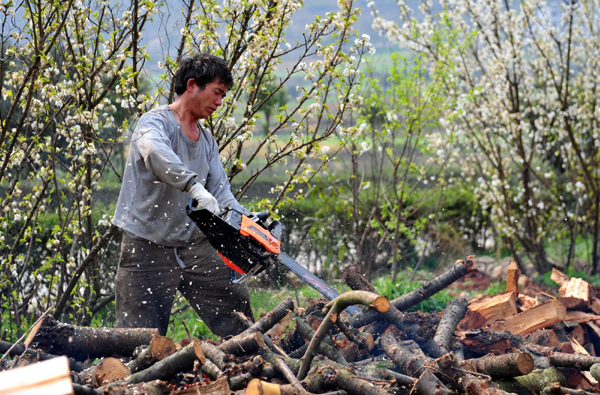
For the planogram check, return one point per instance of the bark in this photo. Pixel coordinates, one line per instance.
(272, 358)
(556, 389)
(483, 342)
(243, 343)
(82, 343)
(85, 390)
(379, 303)
(351, 383)
(595, 371)
(215, 355)
(355, 280)
(413, 364)
(36, 354)
(454, 312)
(324, 347)
(535, 381)
(160, 347)
(181, 361)
(450, 371)
(565, 360)
(240, 381)
(428, 289)
(211, 370)
(272, 317)
(219, 387)
(268, 321)
(348, 349)
(503, 366)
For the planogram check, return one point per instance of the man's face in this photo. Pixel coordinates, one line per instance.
(206, 99)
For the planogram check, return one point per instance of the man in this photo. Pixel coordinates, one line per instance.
(172, 158)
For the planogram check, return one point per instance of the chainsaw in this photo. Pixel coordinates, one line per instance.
(248, 246)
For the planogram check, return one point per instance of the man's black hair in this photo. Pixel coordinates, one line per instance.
(203, 68)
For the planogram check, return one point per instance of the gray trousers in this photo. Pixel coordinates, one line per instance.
(149, 275)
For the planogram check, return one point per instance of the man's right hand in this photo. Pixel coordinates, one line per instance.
(204, 198)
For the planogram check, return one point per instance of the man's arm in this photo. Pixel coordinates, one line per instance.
(163, 163)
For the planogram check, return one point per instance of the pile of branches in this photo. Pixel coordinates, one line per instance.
(379, 351)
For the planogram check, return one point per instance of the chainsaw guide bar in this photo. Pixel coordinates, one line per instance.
(248, 247)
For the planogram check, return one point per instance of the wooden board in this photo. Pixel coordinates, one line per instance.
(51, 377)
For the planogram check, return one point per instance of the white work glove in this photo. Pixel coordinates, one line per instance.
(204, 198)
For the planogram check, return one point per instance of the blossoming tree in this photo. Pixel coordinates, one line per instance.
(72, 85)
(526, 112)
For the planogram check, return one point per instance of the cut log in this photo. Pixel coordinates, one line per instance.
(324, 347)
(541, 316)
(415, 297)
(218, 387)
(51, 377)
(243, 343)
(487, 309)
(535, 381)
(348, 349)
(412, 362)
(215, 355)
(272, 317)
(565, 360)
(484, 342)
(454, 312)
(82, 343)
(452, 374)
(352, 384)
(503, 366)
(182, 360)
(160, 347)
(576, 293)
(38, 355)
(267, 322)
(108, 371)
(512, 278)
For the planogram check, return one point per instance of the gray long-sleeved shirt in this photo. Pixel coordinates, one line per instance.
(162, 163)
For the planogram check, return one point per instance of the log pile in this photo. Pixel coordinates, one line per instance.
(499, 344)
